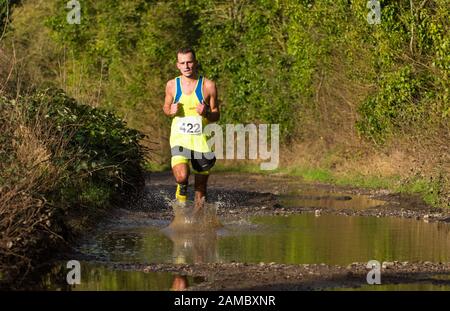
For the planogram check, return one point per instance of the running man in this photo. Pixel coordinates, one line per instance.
(192, 102)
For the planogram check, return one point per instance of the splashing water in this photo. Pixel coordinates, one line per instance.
(194, 217)
(193, 232)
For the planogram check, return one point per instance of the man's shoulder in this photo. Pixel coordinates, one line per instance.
(208, 83)
(170, 85)
(171, 82)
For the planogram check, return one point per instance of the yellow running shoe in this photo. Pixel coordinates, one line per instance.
(181, 194)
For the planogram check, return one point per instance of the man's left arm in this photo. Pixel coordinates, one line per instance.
(213, 114)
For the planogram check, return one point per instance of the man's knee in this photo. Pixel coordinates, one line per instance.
(181, 173)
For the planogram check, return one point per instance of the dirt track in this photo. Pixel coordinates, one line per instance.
(261, 197)
(251, 194)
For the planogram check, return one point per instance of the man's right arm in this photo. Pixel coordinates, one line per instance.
(168, 111)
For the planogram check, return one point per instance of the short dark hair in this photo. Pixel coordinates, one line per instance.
(186, 50)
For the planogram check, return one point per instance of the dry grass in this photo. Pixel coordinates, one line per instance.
(26, 173)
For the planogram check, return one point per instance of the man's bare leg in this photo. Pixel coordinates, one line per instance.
(200, 190)
(181, 174)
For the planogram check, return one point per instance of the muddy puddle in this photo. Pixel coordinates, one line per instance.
(100, 277)
(178, 239)
(321, 199)
(293, 239)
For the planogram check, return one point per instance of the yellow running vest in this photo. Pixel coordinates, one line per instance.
(187, 127)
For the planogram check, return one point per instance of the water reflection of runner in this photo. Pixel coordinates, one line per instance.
(180, 282)
(192, 248)
(195, 248)
(192, 102)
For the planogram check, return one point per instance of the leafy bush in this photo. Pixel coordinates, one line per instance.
(395, 104)
(59, 160)
(100, 148)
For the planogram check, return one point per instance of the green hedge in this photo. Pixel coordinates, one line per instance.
(270, 56)
(62, 165)
(102, 153)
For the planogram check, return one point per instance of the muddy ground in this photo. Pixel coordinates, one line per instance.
(245, 195)
(252, 195)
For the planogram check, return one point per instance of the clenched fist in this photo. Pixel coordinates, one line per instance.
(201, 108)
(173, 109)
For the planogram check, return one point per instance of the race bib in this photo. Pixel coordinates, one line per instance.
(190, 125)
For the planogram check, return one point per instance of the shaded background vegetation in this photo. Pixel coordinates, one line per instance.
(316, 67)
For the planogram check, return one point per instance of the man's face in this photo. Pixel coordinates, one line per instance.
(187, 64)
